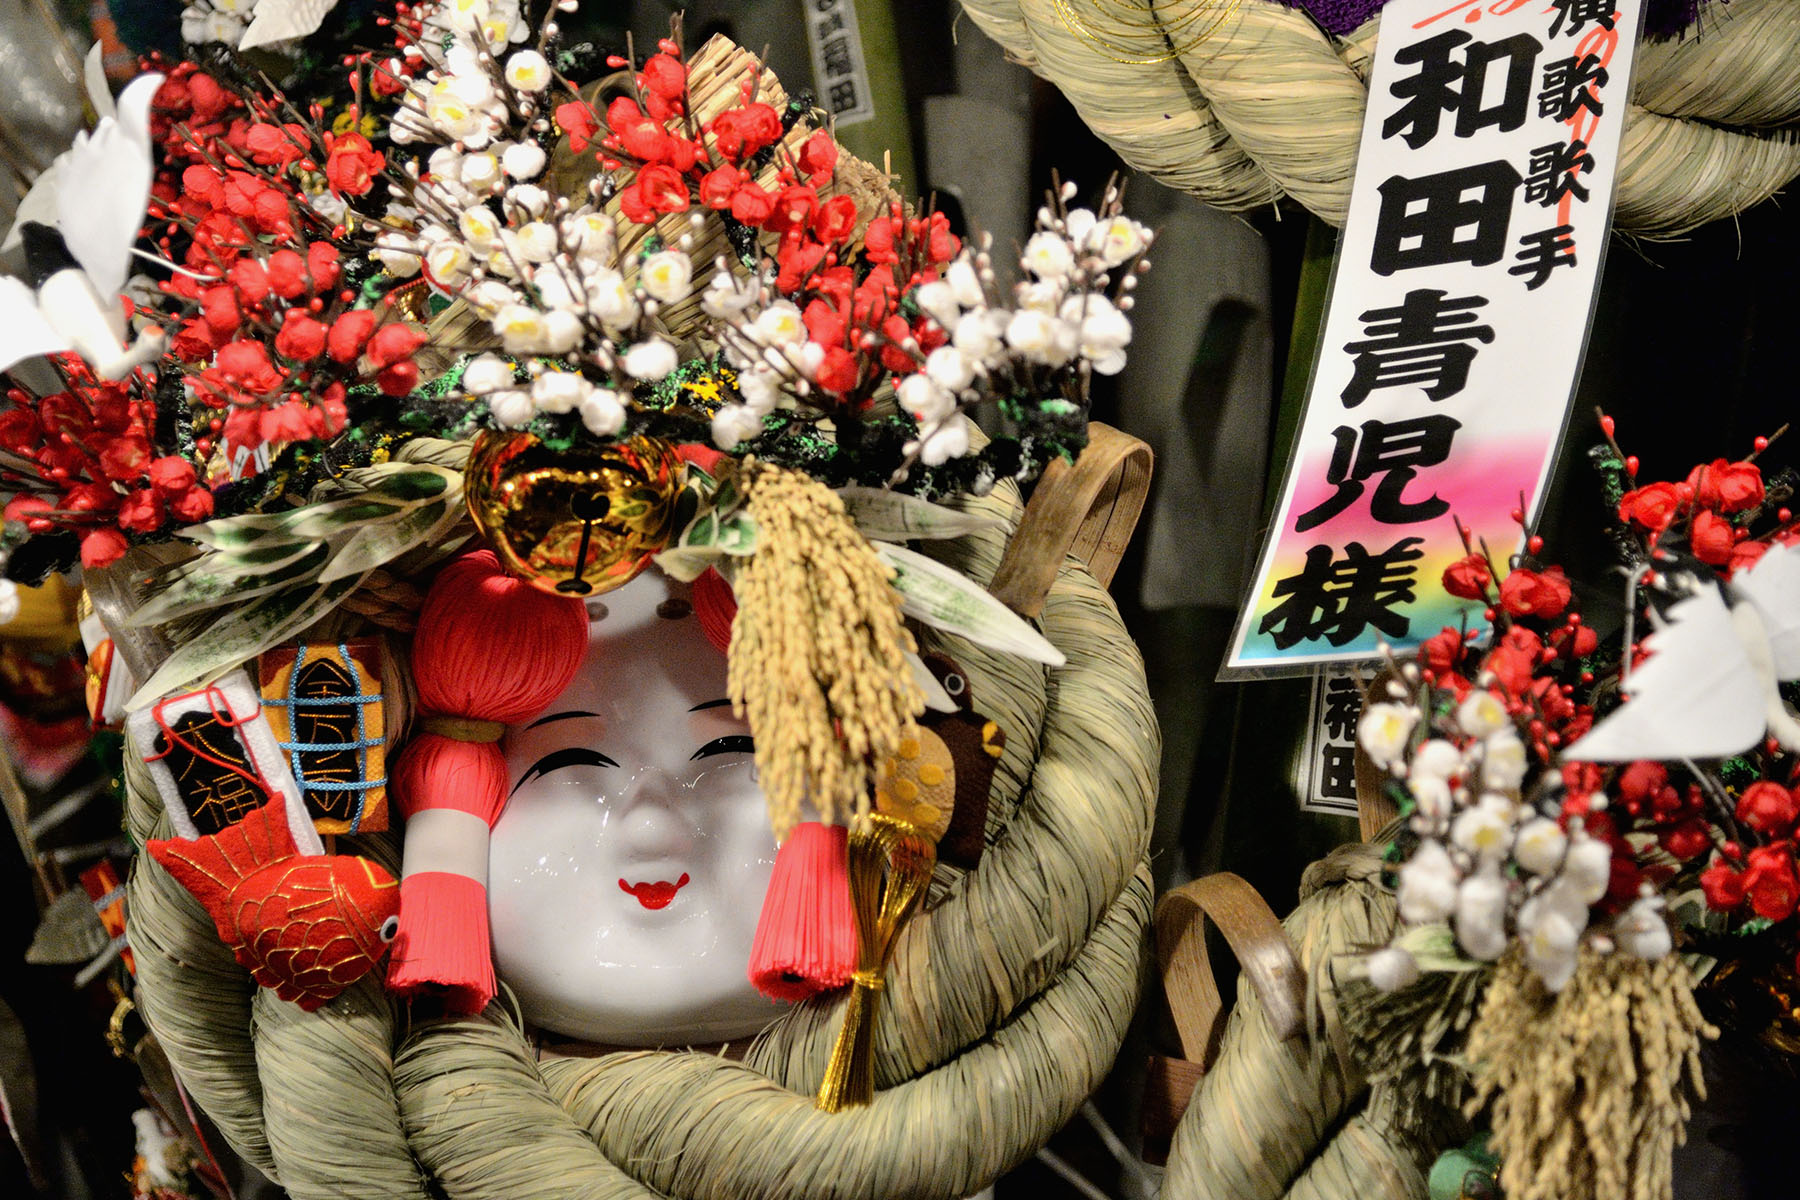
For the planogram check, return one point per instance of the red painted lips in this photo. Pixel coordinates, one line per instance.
(655, 895)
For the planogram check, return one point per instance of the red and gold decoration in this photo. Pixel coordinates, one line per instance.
(306, 925)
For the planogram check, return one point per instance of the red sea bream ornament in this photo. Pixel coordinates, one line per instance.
(306, 925)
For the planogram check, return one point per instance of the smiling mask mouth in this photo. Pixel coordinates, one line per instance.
(655, 895)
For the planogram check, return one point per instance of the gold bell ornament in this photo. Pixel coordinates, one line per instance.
(575, 522)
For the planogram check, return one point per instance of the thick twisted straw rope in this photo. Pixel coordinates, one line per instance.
(1267, 105)
(1005, 1008)
(1271, 1119)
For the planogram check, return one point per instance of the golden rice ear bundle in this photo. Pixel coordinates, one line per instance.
(1004, 1005)
(1182, 89)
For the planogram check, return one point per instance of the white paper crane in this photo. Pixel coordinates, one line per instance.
(78, 225)
(1709, 687)
(283, 20)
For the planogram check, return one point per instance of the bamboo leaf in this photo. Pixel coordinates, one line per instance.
(888, 516)
(685, 564)
(376, 545)
(241, 636)
(947, 600)
(218, 578)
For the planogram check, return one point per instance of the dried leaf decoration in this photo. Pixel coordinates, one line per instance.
(281, 572)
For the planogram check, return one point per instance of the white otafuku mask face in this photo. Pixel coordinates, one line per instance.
(627, 871)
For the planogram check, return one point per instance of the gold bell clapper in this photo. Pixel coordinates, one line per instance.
(575, 522)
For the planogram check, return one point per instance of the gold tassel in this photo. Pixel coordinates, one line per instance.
(878, 845)
(1585, 1086)
(818, 651)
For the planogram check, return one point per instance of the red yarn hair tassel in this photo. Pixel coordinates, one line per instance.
(806, 939)
(490, 651)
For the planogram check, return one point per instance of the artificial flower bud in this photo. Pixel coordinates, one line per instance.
(1769, 808)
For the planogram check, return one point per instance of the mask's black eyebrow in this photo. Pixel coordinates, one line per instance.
(710, 704)
(556, 760)
(561, 716)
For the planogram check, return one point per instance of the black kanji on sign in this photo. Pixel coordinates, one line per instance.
(1423, 342)
(836, 53)
(1570, 86)
(1342, 708)
(1445, 85)
(1542, 252)
(842, 96)
(1337, 598)
(1579, 14)
(830, 24)
(1454, 216)
(1555, 171)
(1394, 450)
(1337, 772)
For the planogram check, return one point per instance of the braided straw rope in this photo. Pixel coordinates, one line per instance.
(1006, 1005)
(1275, 1119)
(1267, 105)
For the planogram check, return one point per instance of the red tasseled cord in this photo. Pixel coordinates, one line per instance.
(806, 939)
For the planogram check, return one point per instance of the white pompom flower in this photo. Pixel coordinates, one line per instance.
(651, 360)
(1504, 761)
(559, 391)
(1384, 731)
(923, 399)
(1392, 969)
(667, 276)
(488, 373)
(524, 160)
(950, 368)
(1428, 885)
(948, 440)
(1481, 915)
(512, 408)
(1539, 846)
(1482, 714)
(528, 71)
(603, 412)
(733, 424)
(1048, 256)
(1482, 832)
(521, 329)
